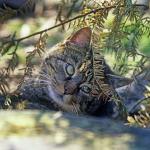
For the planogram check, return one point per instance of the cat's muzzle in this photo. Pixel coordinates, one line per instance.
(70, 88)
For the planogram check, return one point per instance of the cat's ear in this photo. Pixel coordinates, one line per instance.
(82, 37)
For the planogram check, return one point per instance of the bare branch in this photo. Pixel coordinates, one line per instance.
(70, 20)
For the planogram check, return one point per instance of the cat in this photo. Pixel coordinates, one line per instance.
(65, 81)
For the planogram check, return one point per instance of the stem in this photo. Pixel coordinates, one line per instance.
(67, 21)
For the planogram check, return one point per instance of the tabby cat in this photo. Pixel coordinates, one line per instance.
(66, 80)
(75, 78)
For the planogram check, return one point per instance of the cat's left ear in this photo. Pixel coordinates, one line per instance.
(82, 37)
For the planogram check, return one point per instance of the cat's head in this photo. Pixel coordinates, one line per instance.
(68, 70)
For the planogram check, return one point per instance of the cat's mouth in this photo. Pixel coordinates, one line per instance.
(70, 104)
(68, 99)
(65, 101)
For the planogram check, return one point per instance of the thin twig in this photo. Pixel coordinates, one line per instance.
(141, 54)
(69, 20)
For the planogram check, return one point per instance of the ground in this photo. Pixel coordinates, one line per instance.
(59, 131)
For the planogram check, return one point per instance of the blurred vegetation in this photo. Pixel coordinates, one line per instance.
(55, 130)
(121, 32)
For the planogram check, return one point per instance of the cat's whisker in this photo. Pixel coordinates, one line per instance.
(54, 81)
(75, 108)
(48, 68)
(45, 76)
(33, 79)
(34, 84)
(46, 64)
(42, 72)
(50, 81)
(41, 82)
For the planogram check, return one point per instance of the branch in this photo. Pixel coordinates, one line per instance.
(70, 20)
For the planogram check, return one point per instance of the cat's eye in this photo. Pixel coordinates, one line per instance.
(70, 70)
(86, 89)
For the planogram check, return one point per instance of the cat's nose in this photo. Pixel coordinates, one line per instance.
(70, 87)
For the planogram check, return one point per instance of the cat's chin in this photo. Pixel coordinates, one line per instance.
(64, 101)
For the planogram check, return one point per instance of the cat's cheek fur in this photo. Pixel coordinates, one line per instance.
(82, 96)
(55, 96)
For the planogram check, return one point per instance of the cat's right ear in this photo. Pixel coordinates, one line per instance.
(82, 37)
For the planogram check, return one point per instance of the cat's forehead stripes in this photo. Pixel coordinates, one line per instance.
(75, 48)
(73, 56)
(68, 53)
